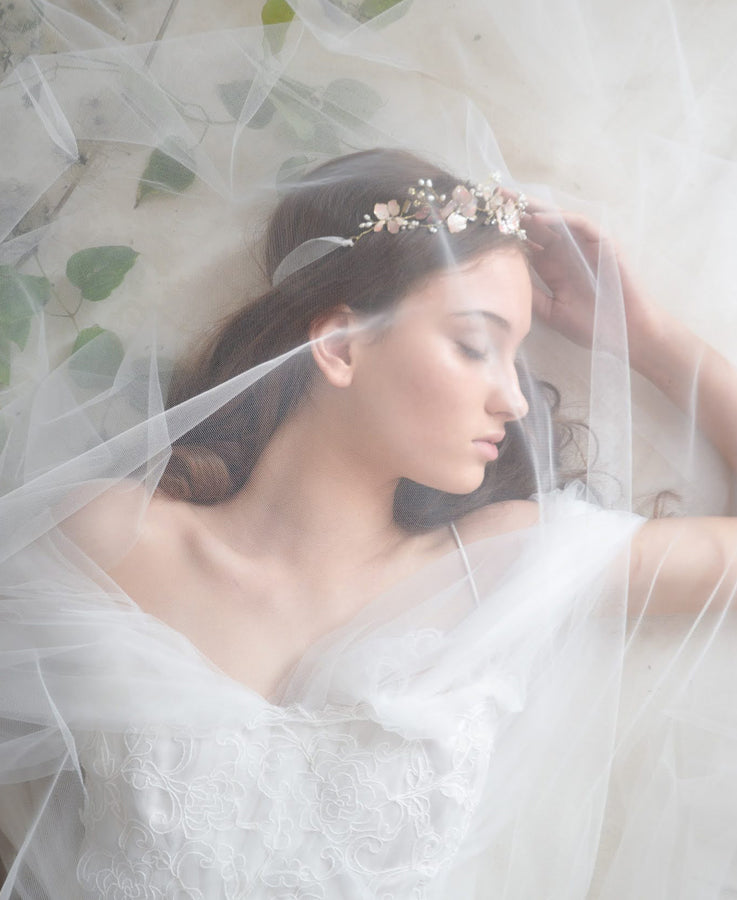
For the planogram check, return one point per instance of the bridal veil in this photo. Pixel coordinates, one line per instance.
(539, 744)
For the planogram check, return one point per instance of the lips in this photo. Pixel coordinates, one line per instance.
(488, 445)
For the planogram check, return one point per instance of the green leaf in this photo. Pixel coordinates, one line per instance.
(85, 336)
(309, 124)
(325, 140)
(4, 362)
(97, 271)
(276, 12)
(15, 318)
(301, 119)
(296, 87)
(233, 96)
(370, 9)
(20, 298)
(289, 171)
(34, 288)
(17, 330)
(163, 174)
(96, 352)
(351, 100)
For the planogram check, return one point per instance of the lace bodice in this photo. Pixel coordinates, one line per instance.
(293, 805)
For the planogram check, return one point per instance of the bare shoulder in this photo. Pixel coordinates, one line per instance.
(498, 518)
(122, 520)
(676, 564)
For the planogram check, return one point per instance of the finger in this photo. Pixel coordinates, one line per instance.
(534, 247)
(538, 231)
(542, 305)
(531, 203)
(571, 222)
(554, 216)
(539, 285)
(535, 205)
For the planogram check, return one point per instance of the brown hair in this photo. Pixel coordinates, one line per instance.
(215, 459)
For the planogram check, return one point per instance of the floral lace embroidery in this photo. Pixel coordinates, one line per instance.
(296, 805)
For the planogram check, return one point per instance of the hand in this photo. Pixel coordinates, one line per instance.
(572, 260)
(583, 273)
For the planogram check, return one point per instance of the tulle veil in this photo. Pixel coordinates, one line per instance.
(142, 152)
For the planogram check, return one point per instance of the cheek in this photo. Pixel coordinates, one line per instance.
(425, 388)
(437, 395)
(416, 412)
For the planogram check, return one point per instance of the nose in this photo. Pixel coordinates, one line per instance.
(505, 397)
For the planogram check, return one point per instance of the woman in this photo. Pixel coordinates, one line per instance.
(340, 651)
(342, 439)
(228, 667)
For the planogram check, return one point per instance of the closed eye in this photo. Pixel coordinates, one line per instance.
(471, 352)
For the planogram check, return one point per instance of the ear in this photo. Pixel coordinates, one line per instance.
(333, 339)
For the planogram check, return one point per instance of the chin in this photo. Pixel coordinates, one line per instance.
(460, 484)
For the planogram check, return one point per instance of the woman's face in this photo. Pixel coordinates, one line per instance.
(430, 398)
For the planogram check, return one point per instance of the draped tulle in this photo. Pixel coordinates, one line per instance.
(542, 743)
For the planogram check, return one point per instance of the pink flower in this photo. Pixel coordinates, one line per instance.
(456, 222)
(459, 209)
(388, 214)
(465, 202)
(508, 217)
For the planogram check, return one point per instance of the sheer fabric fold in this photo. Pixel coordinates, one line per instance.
(543, 743)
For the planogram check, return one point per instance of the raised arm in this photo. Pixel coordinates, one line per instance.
(685, 368)
(692, 374)
(676, 565)
(683, 565)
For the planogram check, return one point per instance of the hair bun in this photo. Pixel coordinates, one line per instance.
(199, 473)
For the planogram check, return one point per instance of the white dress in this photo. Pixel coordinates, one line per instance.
(384, 765)
(495, 730)
(294, 803)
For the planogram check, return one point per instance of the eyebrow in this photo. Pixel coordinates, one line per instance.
(492, 317)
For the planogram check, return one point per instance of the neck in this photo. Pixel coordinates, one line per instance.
(313, 502)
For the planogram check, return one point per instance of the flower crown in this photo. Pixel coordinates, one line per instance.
(422, 208)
